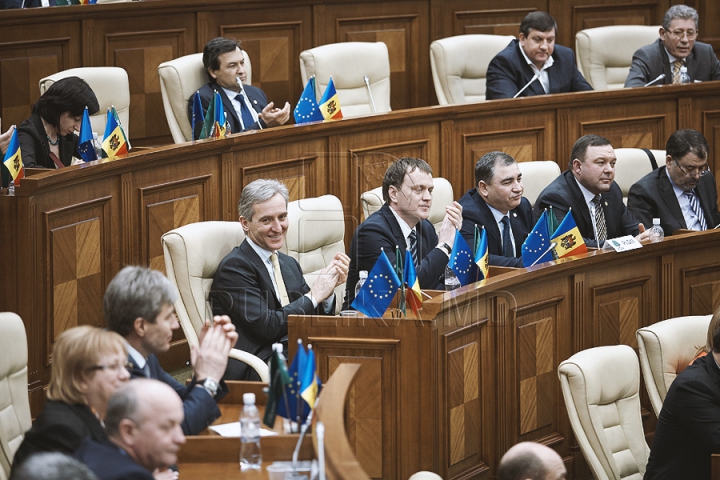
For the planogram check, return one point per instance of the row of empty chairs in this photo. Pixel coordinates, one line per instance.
(601, 388)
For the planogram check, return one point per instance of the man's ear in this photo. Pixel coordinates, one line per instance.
(126, 431)
(392, 194)
(244, 223)
(482, 188)
(668, 160)
(212, 74)
(576, 165)
(139, 327)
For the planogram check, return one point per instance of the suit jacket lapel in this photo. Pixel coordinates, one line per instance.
(491, 226)
(396, 231)
(581, 212)
(260, 269)
(667, 194)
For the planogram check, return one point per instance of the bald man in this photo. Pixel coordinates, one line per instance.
(531, 461)
(143, 424)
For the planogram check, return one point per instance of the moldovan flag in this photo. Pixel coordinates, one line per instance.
(330, 103)
(13, 159)
(414, 294)
(114, 142)
(482, 258)
(568, 239)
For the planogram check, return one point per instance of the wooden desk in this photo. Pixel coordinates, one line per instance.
(452, 391)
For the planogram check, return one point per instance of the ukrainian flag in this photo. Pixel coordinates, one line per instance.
(13, 159)
(568, 238)
(330, 103)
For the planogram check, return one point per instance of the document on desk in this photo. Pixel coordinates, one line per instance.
(233, 430)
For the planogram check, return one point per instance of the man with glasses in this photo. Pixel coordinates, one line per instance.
(675, 48)
(681, 194)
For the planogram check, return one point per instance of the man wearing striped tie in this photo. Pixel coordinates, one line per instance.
(675, 48)
(682, 194)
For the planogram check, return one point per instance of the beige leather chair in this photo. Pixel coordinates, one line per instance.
(316, 232)
(348, 63)
(536, 176)
(192, 255)
(459, 66)
(666, 349)
(601, 391)
(604, 54)
(633, 164)
(14, 401)
(179, 79)
(442, 196)
(111, 88)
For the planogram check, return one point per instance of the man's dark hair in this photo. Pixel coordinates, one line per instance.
(485, 167)
(52, 466)
(582, 144)
(395, 174)
(69, 94)
(540, 21)
(213, 49)
(686, 141)
(522, 466)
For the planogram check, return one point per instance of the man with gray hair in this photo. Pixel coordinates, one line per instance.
(531, 461)
(675, 48)
(52, 466)
(144, 433)
(138, 305)
(258, 287)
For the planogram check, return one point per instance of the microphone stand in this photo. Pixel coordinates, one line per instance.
(552, 246)
(535, 77)
(372, 102)
(659, 77)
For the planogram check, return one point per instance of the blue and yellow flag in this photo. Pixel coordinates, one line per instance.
(462, 261)
(414, 294)
(330, 103)
(85, 142)
(215, 124)
(114, 142)
(309, 381)
(307, 109)
(536, 247)
(482, 258)
(379, 289)
(568, 238)
(292, 406)
(13, 159)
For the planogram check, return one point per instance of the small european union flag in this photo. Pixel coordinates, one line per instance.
(462, 261)
(378, 290)
(307, 108)
(536, 247)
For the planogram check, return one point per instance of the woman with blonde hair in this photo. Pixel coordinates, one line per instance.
(88, 365)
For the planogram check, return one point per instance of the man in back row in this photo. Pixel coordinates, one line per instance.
(588, 188)
(675, 48)
(682, 193)
(246, 107)
(533, 64)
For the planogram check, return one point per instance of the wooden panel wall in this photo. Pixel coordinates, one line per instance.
(138, 36)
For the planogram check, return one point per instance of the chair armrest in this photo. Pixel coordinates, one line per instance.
(258, 365)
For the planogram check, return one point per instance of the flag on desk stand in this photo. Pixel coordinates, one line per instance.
(85, 142)
(310, 382)
(330, 103)
(277, 388)
(379, 289)
(568, 238)
(482, 257)
(114, 142)
(307, 109)
(537, 247)
(215, 124)
(414, 294)
(295, 408)
(552, 221)
(13, 159)
(197, 113)
(462, 261)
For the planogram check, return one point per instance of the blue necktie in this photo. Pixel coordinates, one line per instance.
(508, 250)
(247, 118)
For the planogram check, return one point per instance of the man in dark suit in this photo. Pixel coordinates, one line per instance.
(497, 204)
(688, 427)
(534, 60)
(258, 287)
(402, 222)
(675, 48)
(246, 107)
(138, 305)
(682, 194)
(144, 434)
(588, 188)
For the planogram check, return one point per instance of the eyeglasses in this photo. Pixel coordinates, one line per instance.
(679, 34)
(117, 367)
(704, 170)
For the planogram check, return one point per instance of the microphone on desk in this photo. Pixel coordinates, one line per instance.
(659, 77)
(535, 77)
(372, 102)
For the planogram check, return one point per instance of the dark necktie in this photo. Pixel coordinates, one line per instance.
(600, 221)
(247, 118)
(508, 250)
(697, 209)
(412, 238)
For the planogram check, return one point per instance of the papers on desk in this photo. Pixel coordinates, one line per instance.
(233, 430)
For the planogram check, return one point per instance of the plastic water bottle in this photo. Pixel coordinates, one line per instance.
(250, 452)
(656, 231)
(451, 280)
(362, 276)
(684, 77)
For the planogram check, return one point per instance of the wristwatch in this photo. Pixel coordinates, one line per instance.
(210, 385)
(445, 247)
